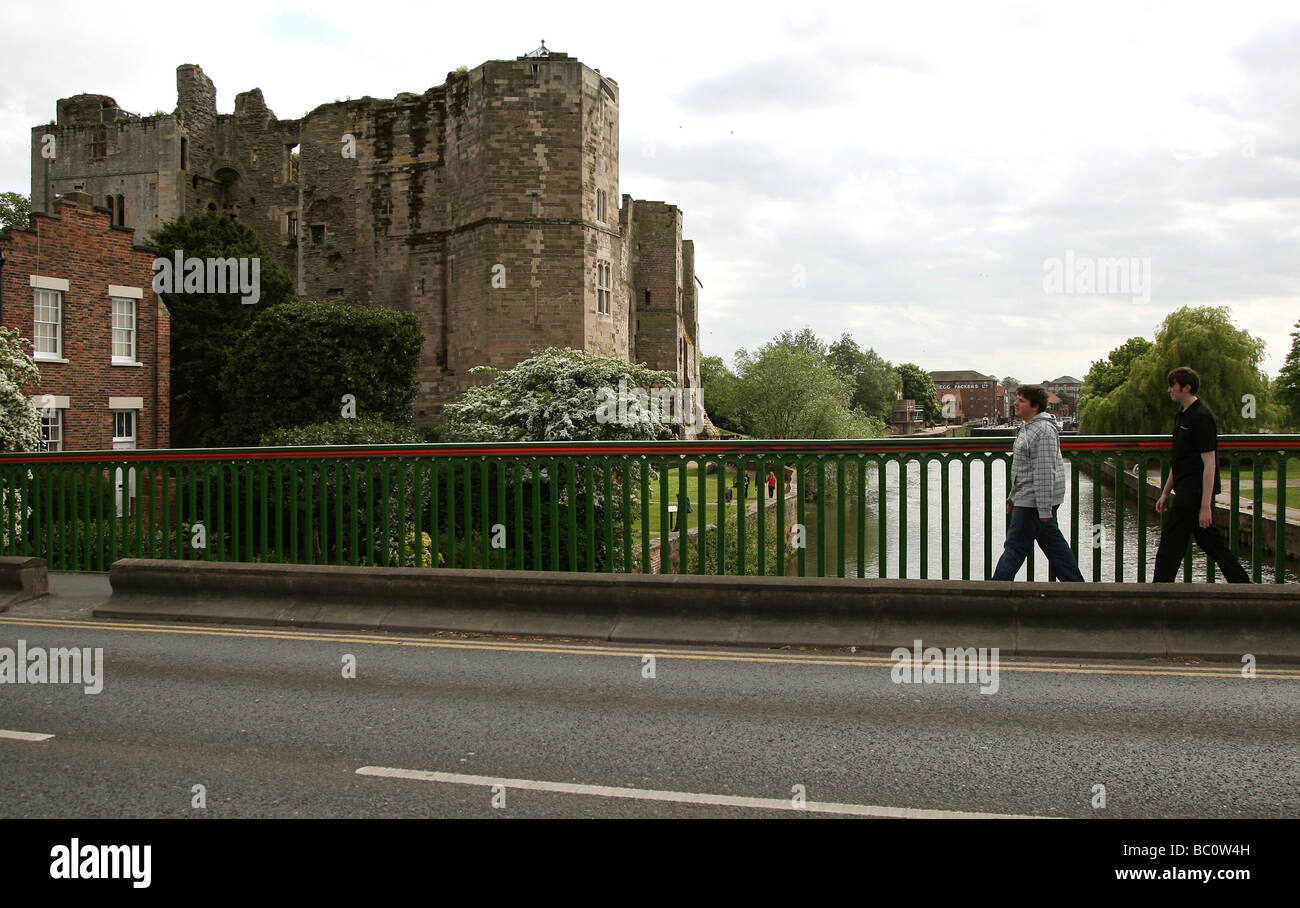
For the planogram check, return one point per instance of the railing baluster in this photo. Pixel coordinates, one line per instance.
(945, 518)
(1121, 477)
(882, 518)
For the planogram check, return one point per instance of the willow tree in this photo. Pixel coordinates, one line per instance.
(1227, 359)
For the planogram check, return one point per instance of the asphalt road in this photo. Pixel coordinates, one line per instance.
(268, 724)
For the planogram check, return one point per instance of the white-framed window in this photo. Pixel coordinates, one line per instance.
(604, 286)
(601, 199)
(51, 430)
(123, 330)
(48, 330)
(123, 430)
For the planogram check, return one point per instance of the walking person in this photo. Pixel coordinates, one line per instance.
(1037, 490)
(1193, 482)
(771, 484)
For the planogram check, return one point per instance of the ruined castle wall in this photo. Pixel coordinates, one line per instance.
(657, 267)
(254, 147)
(131, 158)
(196, 107)
(606, 333)
(690, 325)
(475, 205)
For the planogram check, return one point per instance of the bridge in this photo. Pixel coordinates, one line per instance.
(928, 508)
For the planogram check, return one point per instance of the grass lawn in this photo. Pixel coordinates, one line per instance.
(693, 492)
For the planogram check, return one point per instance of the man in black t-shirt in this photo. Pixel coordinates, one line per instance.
(1193, 482)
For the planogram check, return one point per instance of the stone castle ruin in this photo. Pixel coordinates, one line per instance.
(488, 206)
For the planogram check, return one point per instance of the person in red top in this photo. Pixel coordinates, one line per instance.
(771, 484)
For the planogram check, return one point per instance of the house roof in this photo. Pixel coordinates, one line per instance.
(961, 375)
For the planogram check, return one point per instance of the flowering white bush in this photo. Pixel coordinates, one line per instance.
(20, 421)
(20, 426)
(556, 395)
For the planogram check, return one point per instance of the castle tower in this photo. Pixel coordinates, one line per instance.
(487, 206)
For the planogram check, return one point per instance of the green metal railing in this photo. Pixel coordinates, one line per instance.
(927, 508)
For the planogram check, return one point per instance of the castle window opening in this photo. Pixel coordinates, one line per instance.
(121, 211)
(601, 199)
(98, 142)
(317, 234)
(291, 164)
(291, 223)
(185, 157)
(647, 299)
(603, 287)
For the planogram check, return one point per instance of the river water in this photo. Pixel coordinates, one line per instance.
(1102, 533)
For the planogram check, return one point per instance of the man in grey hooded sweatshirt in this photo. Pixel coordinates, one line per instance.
(1037, 490)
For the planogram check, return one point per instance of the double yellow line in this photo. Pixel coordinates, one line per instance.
(623, 650)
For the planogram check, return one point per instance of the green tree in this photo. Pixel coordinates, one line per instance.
(919, 386)
(1105, 375)
(876, 383)
(1286, 390)
(721, 389)
(790, 390)
(205, 327)
(1226, 358)
(15, 210)
(296, 362)
(803, 339)
(1011, 382)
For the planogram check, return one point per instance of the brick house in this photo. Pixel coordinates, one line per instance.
(970, 394)
(82, 292)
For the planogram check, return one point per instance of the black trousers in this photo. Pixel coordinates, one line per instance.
(1182, 521)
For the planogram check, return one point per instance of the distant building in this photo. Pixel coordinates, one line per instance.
(1067, 386)
(966, 395)
(907, 417)
(82, 292)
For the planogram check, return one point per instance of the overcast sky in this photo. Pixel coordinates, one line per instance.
(914, 174)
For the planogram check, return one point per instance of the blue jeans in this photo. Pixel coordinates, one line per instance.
(1025, 529)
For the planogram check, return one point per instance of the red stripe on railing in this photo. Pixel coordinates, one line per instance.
(752, 449)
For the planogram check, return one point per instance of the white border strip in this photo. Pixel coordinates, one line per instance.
(685, 797)
(24, 735)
